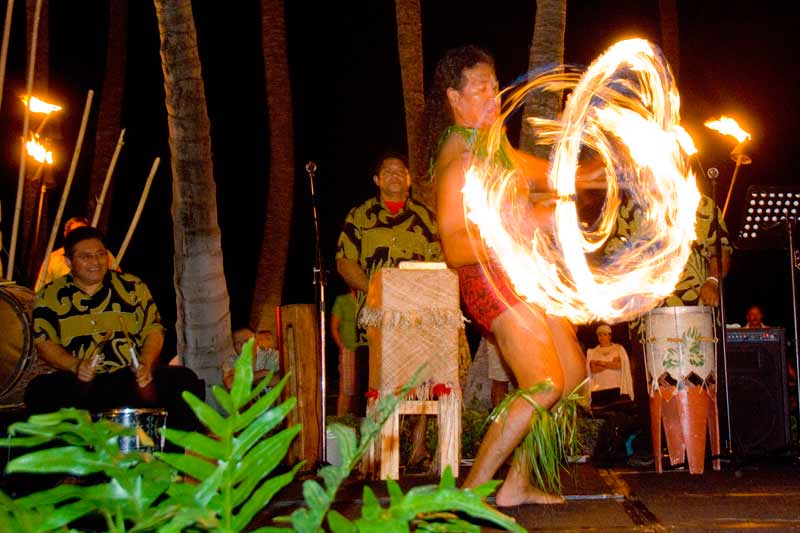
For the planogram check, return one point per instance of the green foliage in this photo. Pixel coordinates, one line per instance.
(231, 464)
(223, 480)
(133, 481)
(427, 508)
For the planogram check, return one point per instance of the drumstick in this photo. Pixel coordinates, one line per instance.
(93, 355)
(131, 347)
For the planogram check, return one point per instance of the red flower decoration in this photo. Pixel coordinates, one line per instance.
(372, 394)
(439, 389)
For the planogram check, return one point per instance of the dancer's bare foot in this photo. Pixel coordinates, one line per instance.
(517, 490)
(529, 495)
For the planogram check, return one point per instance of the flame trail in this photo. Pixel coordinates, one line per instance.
(625, 109)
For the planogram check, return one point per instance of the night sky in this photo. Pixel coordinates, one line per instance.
(737, 58)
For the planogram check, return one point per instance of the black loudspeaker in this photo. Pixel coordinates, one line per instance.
(759, 399)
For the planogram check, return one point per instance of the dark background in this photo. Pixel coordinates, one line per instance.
(737, 58)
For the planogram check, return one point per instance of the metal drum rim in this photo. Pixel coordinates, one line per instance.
(133, 410)
(681, 309)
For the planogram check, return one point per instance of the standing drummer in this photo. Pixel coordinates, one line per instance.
(101, 331)
(698, 284)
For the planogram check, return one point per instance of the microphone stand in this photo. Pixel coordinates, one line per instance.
(713, 174)
(319, 282)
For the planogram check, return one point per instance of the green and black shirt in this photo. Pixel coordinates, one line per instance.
(66, 315)
(375, 238)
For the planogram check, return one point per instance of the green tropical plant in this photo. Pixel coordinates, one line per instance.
(223, 479)
(232, 463)
(428, 508)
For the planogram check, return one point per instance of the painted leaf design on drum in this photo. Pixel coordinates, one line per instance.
(670, 361)
(691, 337)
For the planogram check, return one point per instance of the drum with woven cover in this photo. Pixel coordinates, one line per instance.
(680, 357)
(147, 423)
(18, 361)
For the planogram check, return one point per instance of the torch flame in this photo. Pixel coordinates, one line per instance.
(728, 126)
(625, 108)
(40, 106)
(37, 151)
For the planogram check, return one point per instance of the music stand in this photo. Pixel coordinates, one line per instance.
(767, 208)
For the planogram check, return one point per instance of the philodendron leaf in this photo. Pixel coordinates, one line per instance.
(261, 426)
(340, 524)
(56, 519)
(260, 405)
(197, 443)
(262, 496)
(266, 454)
(395, 492)
(346, 439)
(243, 377)
(197, 467)
(68, 459)
(371, 507)
(207, 415)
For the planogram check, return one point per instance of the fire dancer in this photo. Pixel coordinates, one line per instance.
(101, 331)
(463, 104)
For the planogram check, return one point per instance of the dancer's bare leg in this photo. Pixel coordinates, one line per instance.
(517, 488)
(527, 346)
(568, 349)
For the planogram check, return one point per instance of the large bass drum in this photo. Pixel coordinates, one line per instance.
(18, 361)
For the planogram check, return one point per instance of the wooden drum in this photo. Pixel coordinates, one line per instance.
(680, 356)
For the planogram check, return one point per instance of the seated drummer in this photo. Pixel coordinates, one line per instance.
(101, 330)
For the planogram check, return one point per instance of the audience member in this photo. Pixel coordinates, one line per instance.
(609, 370)
(755, 317)
(343, 331)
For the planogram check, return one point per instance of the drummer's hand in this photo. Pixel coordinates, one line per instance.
(709, 293)
(144, 375)
(87, 368)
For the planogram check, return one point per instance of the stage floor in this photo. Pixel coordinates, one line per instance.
(759, 495)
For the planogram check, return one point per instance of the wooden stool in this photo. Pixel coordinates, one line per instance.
(413, 319)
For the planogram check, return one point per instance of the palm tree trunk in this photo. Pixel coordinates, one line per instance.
(277, 227)
(547, 50)
(409, 46)
(668, 15)
(109, 117)
(203, 324)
